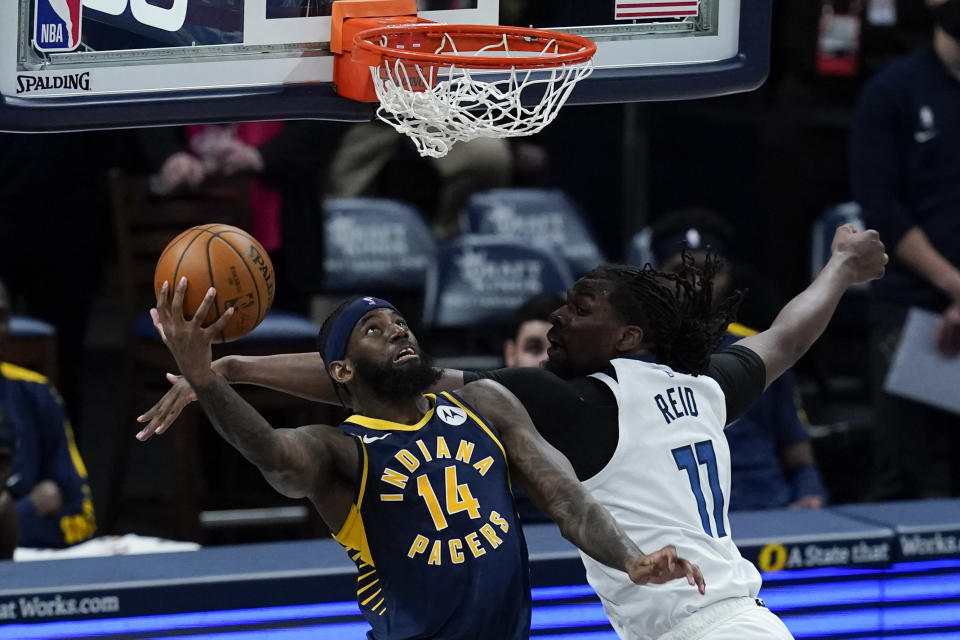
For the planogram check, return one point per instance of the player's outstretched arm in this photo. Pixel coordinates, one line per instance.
(297, 374)
(549, 479)
(296, 462)
(856, 257)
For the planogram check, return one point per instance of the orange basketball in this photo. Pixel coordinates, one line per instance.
(224, 257)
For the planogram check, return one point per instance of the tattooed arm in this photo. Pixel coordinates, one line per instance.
(297, 374)
(314, 461)
(550, 481)
(296, 462)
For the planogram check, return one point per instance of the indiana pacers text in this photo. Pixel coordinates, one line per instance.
(455, 495)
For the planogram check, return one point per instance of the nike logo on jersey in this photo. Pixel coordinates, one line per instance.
(369, 439)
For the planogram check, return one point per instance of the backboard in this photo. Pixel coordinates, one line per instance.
(84, 64)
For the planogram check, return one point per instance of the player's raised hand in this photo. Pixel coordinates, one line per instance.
(161, 415)
(860, 252)
(188, 341)
(665, 565)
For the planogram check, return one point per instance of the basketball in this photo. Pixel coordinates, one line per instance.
(228, 259)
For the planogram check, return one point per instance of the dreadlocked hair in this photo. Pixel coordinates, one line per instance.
(322, 336)
(681, 325)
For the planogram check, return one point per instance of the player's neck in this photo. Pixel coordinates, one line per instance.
(408, 411)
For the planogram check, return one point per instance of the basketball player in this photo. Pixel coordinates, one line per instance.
(633, 397)
(416, 486)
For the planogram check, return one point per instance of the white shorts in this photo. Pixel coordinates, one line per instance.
(733, 619)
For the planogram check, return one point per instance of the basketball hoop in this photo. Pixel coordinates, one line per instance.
(441, 84)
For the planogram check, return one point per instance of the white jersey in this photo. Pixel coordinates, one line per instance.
(668, 482)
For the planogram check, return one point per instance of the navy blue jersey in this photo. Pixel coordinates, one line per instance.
(434, 531)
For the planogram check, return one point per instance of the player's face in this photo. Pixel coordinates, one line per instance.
(387, 358)
(383, 337)
(582, 340)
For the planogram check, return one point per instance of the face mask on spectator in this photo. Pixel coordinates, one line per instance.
(947, 17)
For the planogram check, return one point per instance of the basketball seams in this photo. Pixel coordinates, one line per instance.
(216, 297)
(261, 312)
(172, 244)
(176, 269)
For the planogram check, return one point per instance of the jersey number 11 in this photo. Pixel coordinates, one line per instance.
(687, 461)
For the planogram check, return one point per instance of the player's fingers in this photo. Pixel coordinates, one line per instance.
(162, 295)
(170, 416)
(176, 307)
(698, 579)
(151, 413)
(155, 316)
(144, 434)
(166, 417)
(221, 322)
(154, 419)
(150, 428)
(204, 307)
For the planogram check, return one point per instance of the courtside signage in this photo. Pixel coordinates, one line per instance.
(56, 25)
(814, 554)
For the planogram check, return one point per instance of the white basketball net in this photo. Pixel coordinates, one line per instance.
(452, 104)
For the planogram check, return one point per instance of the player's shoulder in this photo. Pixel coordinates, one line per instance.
(486, 396)
(476, 388)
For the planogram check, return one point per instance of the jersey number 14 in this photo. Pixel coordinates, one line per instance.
(690, 462)
(458, 497)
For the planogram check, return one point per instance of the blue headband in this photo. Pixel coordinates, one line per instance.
(344, 323)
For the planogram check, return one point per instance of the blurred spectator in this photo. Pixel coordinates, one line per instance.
(9, 524)
(55, 230)
(771, 456)
(288, 164)
(48, 480)
(366, 149)
(527, 345)
(905, 150)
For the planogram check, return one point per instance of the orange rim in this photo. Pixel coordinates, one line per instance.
(570, 49)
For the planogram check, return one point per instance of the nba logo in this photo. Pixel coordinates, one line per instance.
(56, 25)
